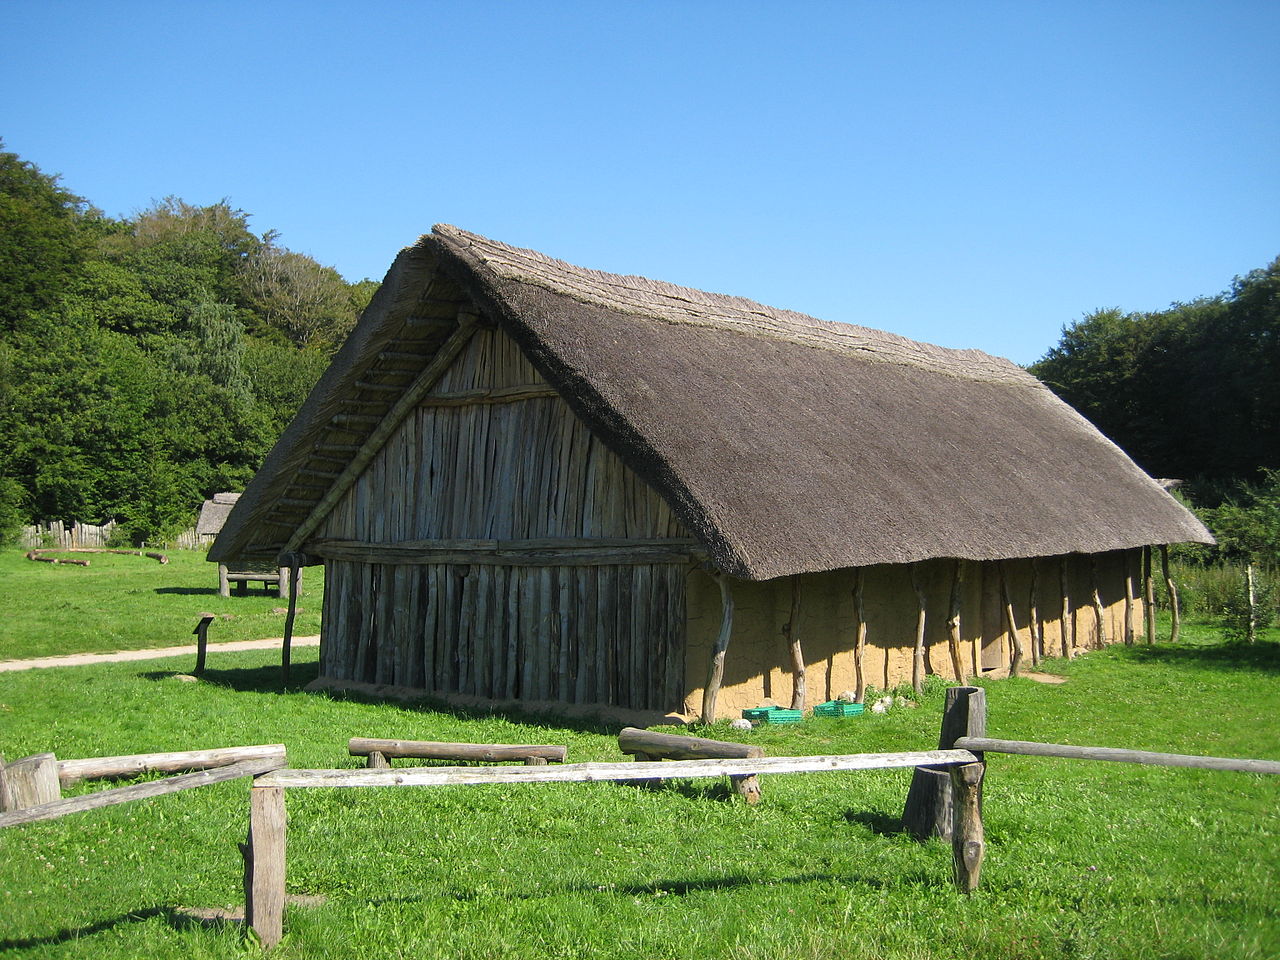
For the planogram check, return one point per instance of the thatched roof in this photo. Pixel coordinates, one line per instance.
(785, 444)
(214, 513)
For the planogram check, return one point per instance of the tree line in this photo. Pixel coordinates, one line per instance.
(148, 361)
(1192, 393)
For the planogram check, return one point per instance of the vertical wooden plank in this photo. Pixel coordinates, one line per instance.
(606, 634)
(1034, 626)
(265, 865)
(482, 632)
(1127, 558)
(546, 628)
(565, 613)
(859, 636)
(1011, 624)
(917, 661)
(293, 573)
(513, 577)
(953, 625)
(583, 623)
(526, 635)
(622, 646)
(1148, 595)
(467, 640)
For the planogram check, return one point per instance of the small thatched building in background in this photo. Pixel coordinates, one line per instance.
(528, 480)
(213, 514)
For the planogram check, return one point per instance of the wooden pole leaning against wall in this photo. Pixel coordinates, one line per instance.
(1148, 595)
(953, 622)
(1128, 599)
(715, 665)
(1034, 624)
(1067, 623)
(1011, 624)
(1099, 615)
(917, 660)
(1174, 613)
(859, 637)
(293, 563)
(792, 633)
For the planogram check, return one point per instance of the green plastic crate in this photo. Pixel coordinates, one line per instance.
(837, 708)
(773, 715)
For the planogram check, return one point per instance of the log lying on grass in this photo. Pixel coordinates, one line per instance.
(647, 745)
(91, 768)
(379, 751)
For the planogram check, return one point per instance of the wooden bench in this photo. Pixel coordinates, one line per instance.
(647, 745)
(242, 574)
(381, 752)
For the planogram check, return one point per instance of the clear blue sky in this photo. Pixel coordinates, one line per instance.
(970, 174)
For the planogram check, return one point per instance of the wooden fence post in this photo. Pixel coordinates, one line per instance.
(264, 864)
(968, 845)
(928, 811)
(31, 781)
(202, 643)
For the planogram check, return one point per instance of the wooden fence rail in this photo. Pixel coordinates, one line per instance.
(646, 745)
(138, 791)
(380, 752)
(264, 854)
(1030, 748)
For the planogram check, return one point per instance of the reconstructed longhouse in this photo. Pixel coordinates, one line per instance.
(531, 481)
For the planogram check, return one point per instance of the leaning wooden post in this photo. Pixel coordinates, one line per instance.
(860, 637)
(1068, 629)
(792, 632)
(1148, 595)
(953, 622)
(917, 662)
(1098, 614)
(928, 811)
(1034, 626)
(202, 643)
(287, 643)
(1174, 613)
(264, 865)
(715, 669)
(1015, 641)
(1128, 601)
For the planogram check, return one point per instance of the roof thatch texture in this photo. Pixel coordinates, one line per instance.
(786, 444)
(214, 513)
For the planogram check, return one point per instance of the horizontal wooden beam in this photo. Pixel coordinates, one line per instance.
(138, 791)
(432, 750)
(1029, 748)
(468, 398)
(534, 553)
(587, 772)
(90, 768)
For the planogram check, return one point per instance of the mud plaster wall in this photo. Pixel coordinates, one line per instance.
(758, 664)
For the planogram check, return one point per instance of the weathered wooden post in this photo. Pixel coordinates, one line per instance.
(928, 811)
(292, 574)
(202, 643)
(968, 845)
(715, 667)
(264, 864)
(30, 782)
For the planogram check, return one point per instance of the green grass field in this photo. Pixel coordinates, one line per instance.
(1084, 860)
(129, 603)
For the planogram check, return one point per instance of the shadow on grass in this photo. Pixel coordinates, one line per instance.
(188, 591)
(177, 918)
(880, 823)
(264, 679)
(1261, 656)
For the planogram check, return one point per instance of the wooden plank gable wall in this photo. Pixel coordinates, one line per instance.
(495, 547)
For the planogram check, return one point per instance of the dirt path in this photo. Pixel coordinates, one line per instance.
(155, 653)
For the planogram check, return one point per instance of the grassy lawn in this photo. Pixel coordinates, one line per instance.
(1084, 859)
(128, 603)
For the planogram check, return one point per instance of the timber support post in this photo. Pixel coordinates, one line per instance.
(1174, 613)
(715, 668)
(264, 865)
(929, 809)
